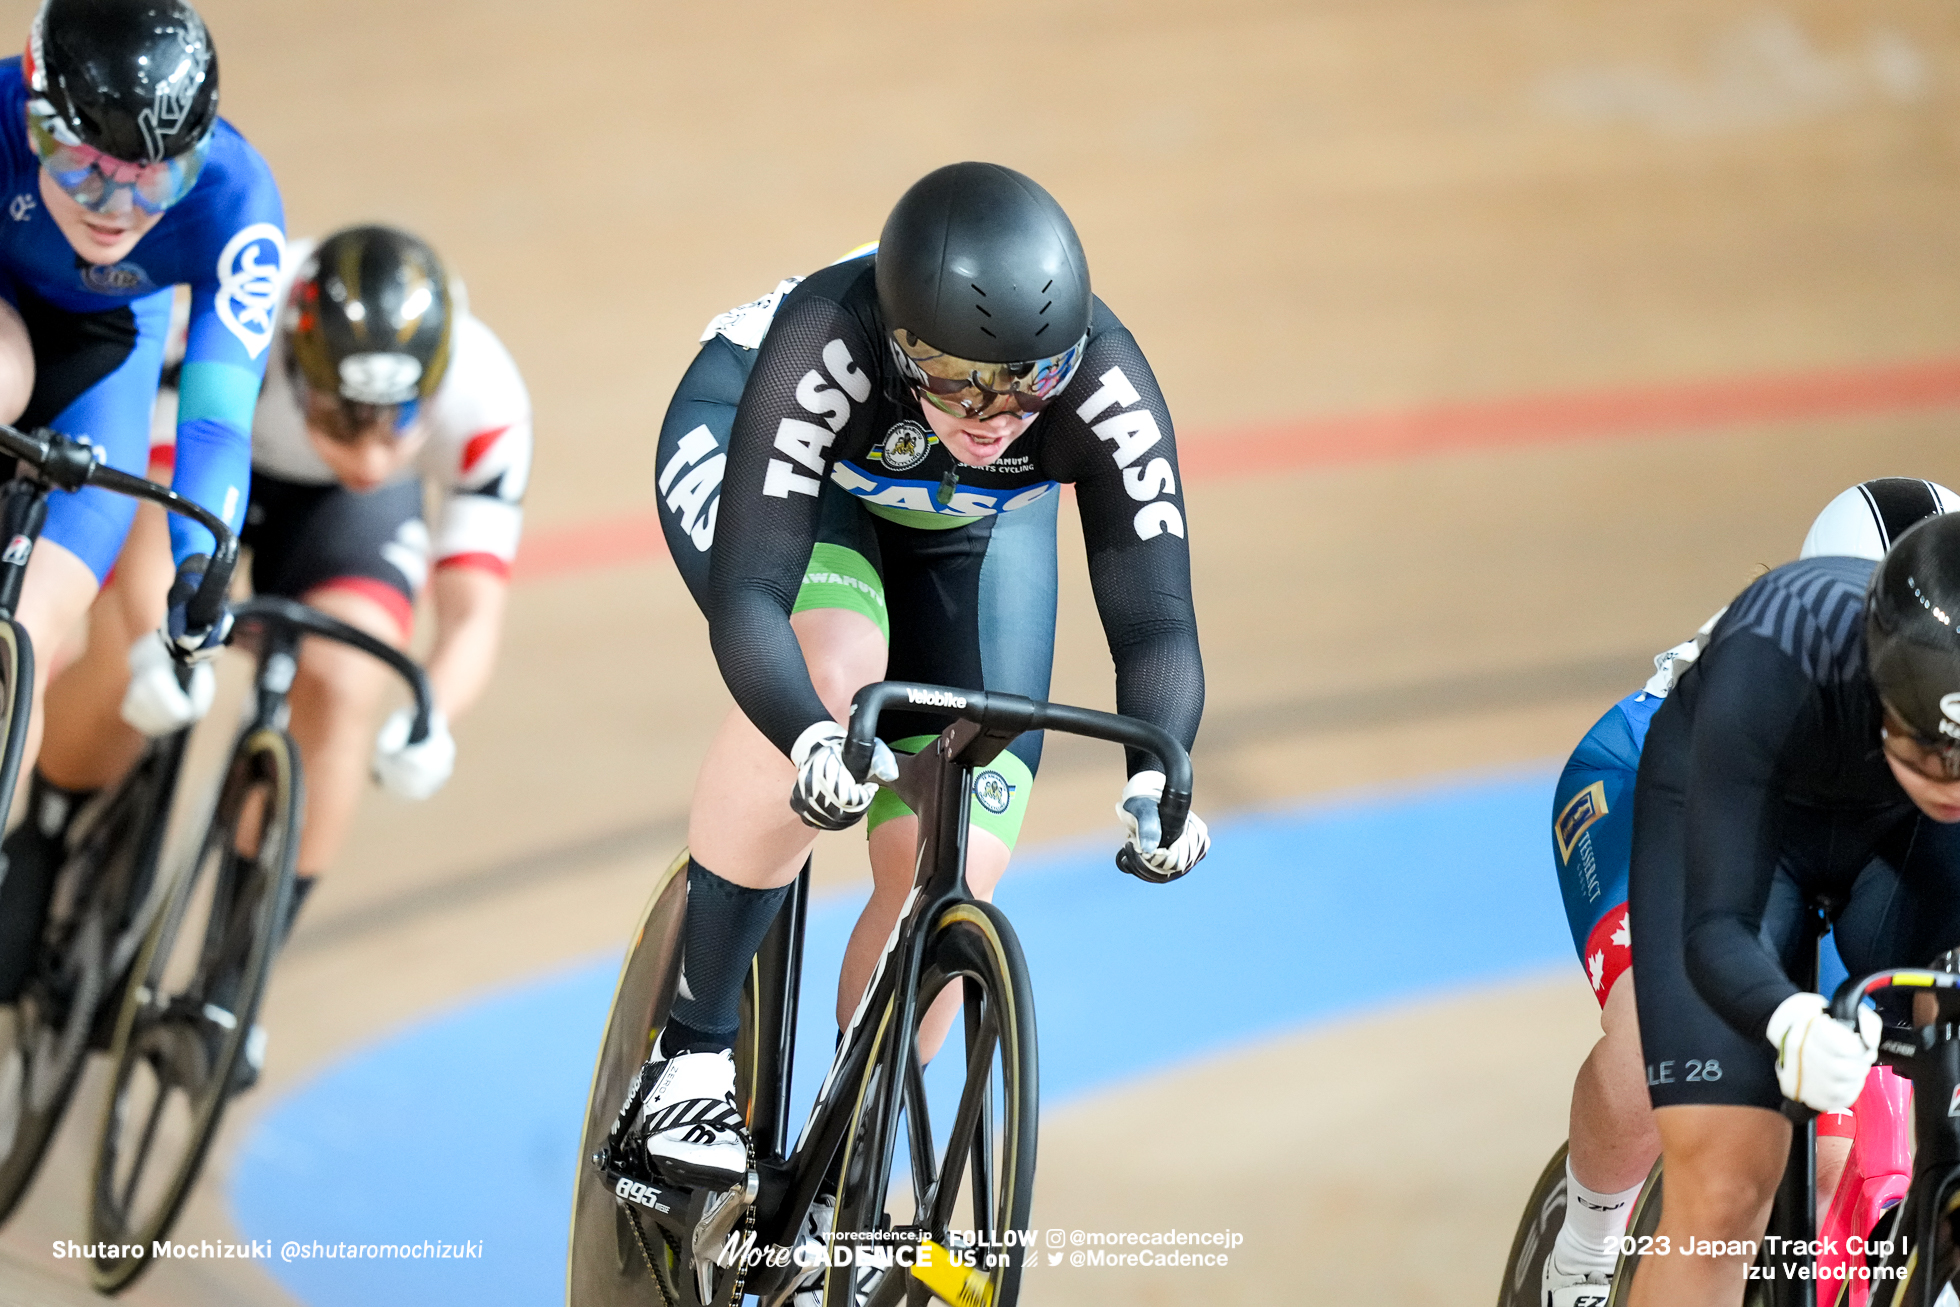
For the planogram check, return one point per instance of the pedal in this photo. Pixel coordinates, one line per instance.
(632, 1184)
(718, 1217)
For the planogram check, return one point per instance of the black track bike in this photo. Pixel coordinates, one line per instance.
(870, 1207)
(103, 893)
(182, 1026)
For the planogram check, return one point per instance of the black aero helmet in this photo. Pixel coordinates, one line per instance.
(1910, 636)
(978, 265)
(134, 79)
(370, 317)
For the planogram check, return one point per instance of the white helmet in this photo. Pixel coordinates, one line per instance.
(1865, 520)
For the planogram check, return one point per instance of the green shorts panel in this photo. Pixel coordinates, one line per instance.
(841, 577)
(1000, 795)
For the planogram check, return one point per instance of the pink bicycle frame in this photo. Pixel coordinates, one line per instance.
(1876, 1176)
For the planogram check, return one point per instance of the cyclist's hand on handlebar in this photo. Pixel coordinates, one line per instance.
(1820, 1061)
(414, 771)
(827, 796)
(157, 702)
(188, 643)
(1138, 809)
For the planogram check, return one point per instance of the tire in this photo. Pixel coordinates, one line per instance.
(614, 1259)
(208, 952)
(995, 1126)
(16, 702)
(1544, 1216)
(1910, 1289)
(1646, 1218)
(101, 906)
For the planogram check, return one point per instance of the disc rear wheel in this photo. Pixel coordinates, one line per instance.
(1544, 1217)
(618, 1257)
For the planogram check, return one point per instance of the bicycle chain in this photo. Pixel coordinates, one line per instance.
(640, 1238)
(748, 1229)
(748, 1226)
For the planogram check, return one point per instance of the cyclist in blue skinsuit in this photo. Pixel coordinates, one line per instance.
(121, 182)
(1613, 1138)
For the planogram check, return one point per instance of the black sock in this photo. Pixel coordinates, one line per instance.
(32, 857)
(725, 926)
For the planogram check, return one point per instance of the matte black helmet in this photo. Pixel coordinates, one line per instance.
(980, 262)
(135, 79)
(1910, 636)
(370, 317)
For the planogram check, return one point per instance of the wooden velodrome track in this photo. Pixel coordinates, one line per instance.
(1722, 236)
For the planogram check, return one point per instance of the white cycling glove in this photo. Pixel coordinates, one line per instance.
(155, 703)
(826, 795)
(1820, 1061)
(414, 771)
(1138, 809)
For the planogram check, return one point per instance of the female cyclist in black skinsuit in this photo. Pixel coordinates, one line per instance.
(859, 478)
(1810, 756)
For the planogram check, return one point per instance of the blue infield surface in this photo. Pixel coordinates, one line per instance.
(464, 1127)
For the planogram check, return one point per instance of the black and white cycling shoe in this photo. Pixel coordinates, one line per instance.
(813, 1250)
(691, 1128)
(1563, 1288)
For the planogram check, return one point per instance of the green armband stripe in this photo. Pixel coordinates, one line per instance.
(223, 392)
(838, 577)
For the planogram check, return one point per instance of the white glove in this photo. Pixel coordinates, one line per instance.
(155, 703)
(1138, 809)
(1820, 1061)
(826, 795)
(414, 771)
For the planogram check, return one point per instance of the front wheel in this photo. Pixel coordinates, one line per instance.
(97, 917)
(980, 1180)
(1900, 1280)
(191, 1005)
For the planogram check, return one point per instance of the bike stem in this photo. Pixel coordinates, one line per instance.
(278, 665)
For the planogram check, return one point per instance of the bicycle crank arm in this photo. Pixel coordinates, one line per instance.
(719, 1214)
(668, 1204)
(963, 1286)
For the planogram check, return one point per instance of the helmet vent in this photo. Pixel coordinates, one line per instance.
(981, 293)
(1044, 327)
(1044, 291)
